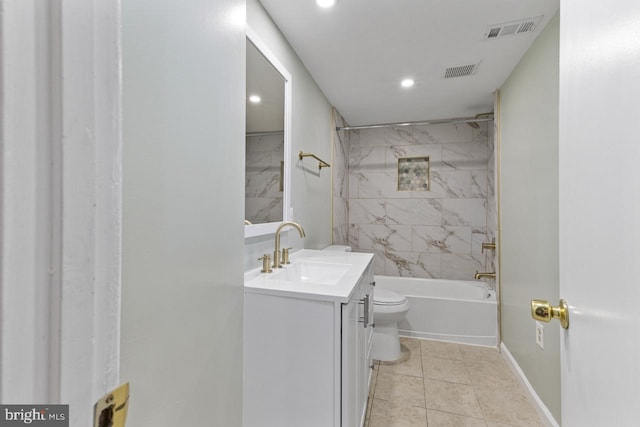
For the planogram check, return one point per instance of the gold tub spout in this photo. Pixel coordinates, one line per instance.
(478, 276)
(490, 245)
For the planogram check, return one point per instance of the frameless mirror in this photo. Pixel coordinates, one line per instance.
(267, 140)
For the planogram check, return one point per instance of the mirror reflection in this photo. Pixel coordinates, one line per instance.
(264, 167)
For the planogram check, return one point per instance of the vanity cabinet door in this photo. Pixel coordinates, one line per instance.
(365, 341)
(291, 362)
(350, 352)
(356, 325)
(370, 280)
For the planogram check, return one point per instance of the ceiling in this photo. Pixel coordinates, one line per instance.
(359, 51)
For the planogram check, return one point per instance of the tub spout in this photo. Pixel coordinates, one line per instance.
(478, 276)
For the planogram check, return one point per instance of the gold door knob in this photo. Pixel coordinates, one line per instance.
(543, 311)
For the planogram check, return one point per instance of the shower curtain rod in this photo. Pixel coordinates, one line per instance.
(267, 133)
(478, 118)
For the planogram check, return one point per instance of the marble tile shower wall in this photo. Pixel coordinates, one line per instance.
(340, 176)
(492, 199)
(431, 234)
(263, 198)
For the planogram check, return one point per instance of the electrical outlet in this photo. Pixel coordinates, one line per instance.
(540, 335)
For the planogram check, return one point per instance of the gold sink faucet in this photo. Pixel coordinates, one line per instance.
(276, 252)
(478, 276)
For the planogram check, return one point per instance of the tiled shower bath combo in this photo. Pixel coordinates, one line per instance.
(433, 232)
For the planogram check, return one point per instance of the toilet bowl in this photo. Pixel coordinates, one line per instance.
(389, 308)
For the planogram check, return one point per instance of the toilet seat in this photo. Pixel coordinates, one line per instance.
(385, 297)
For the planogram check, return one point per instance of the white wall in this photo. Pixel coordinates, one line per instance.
(311, 132)
(184, 90)
(529, 211)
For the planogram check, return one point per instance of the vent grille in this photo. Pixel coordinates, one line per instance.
(494, 32)
(527, 26)
(460, 71)
(512, 28)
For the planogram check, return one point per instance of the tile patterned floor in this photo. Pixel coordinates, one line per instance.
(438, 384)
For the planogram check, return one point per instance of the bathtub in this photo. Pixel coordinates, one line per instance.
(446, 310)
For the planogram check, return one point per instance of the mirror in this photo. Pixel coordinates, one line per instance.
(267, 141)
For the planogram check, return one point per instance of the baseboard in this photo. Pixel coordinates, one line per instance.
(540, 407)
(460, 339)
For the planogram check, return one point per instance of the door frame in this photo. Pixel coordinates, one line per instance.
(60, 202)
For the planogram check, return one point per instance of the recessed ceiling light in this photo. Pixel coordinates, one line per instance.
(407, 83)
(255, 99)
(325, 3)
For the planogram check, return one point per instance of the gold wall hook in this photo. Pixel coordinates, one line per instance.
(543, 311)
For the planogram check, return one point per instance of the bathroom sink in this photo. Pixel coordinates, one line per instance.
(312, 272)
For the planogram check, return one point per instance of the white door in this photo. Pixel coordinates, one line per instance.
(600, 211)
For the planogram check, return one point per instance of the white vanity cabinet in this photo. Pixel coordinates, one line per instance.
(357, 334)
(307, 354)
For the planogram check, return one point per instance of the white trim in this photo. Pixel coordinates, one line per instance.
(61, 178)
(25, 208)
(538, 404)
(270, 228)
(481, 340)
(91, 194)
(254, 230)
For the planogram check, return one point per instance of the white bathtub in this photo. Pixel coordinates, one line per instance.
(446, 310)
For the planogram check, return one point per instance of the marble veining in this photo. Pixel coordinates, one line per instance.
(263, 198)
(491, 258)
(340, 181)
(413, 264)
(432, 234)
(442, 239)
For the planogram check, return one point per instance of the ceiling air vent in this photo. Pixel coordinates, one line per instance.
(460, 71)
(510, 28)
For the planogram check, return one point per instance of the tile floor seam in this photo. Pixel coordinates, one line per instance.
(407, 404)
(446, 381)
(484, 415)
(471, 360)
(458, 415)
(424, 385)
(441, 357)
(475, 391)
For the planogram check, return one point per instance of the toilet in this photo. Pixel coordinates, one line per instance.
(389, 308)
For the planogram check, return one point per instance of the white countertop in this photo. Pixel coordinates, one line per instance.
(269, 283)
